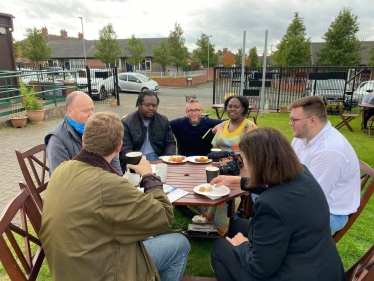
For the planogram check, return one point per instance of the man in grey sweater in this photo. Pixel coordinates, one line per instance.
(65, 140)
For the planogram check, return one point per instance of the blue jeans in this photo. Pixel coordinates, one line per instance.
(152, 156)
(337, 222)
(169, 253)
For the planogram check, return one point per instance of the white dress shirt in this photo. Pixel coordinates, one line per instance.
(333, 162)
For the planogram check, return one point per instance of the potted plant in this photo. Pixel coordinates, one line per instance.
(17, 119)
(32, 104)
(283, 108)
(113, 101)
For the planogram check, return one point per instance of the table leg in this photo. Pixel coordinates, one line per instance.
(218, 114)
(231, 210)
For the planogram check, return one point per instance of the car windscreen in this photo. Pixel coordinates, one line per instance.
(330, 85)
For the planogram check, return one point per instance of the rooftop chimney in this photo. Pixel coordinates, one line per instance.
(64, 33)
(44, 31)
(80, 35)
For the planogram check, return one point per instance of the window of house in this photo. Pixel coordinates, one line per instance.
(147, 65)
(77, 63)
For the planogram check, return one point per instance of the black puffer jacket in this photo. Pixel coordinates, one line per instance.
(160, 135)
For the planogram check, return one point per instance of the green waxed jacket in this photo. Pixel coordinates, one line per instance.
(94, 222)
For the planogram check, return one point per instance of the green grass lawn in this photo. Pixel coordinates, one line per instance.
(351, 247)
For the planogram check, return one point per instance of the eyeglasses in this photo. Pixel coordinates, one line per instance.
(293, 120)
(193, 111)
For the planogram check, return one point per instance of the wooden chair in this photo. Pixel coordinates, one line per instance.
(370, 125)
(194, 97)
(19, 259)
(255, 102)
(40, 184)
(367, 181)
(363, 269)
(346, 117)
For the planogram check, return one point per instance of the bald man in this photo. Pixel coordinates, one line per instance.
(65, 140)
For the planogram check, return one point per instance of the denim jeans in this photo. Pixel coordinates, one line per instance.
(337, 222)
(169, 253)
(152, 156)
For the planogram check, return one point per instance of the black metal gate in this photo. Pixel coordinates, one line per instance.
(285, 84)
(102, 84)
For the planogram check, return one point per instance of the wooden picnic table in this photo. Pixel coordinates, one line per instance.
(366, 108)
(187, 175)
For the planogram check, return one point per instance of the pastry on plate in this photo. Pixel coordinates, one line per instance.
(202, 159)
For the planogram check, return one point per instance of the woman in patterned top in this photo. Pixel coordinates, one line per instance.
(229, 132)
(227, 138)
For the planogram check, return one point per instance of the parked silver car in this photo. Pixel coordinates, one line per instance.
(331, 89)
(364, 87)
(131, 82)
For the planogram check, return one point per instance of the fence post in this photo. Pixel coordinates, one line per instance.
(88, 76)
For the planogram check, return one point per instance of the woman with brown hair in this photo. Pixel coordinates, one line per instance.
(288, 237)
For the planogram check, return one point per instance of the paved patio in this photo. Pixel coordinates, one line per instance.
(22, 139)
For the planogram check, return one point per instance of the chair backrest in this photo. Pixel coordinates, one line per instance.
(190, 97)
(255, 102)
(367, 184)
(363, 269)
(20, 259)
(39, 183)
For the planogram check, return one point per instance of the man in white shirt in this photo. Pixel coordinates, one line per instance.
(329, 157)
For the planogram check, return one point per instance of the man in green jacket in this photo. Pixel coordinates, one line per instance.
(97, 226)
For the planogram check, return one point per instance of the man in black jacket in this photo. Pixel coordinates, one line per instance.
(146, 130)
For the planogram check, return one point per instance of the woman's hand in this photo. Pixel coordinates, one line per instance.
(237, 239)
(144, 167)
(225, 180)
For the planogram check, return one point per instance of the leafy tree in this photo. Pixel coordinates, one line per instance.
(201, 53)
(34, 46)
(178, 52)
(228, 59)
(371, 57)
(253, 57)
(161, 54)
(342, 46)
(136, 48)
(108, 48)
(294, 48)
(16, 45)
(238, 57)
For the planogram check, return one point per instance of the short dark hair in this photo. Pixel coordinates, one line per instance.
(243, 100)
(312, 106)
(146, 93)
(269, 156)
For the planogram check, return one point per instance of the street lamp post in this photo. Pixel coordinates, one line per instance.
(208, 55)
(84, 45)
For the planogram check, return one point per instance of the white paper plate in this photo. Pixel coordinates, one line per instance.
(215, 193)
(192, 159)
(166, 159)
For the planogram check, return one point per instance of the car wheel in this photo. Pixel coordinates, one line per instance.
(103, 93)
(144, 89)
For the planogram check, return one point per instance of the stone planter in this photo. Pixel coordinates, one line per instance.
(113, 102)
(35, 116)
(69, 90)
(283, 110)
(18, 122)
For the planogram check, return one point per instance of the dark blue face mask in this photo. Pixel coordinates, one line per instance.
(77, 126)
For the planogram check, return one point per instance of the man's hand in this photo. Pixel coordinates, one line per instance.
(225, 180)
(237, 239)
(214, 130)
(144, 167)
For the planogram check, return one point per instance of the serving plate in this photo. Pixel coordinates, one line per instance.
(215, 193)
(166, 159)
(192, 160)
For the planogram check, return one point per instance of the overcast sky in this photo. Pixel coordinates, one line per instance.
(224, 20)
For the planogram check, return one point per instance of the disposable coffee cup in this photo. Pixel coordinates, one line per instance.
(134, 179)
(133, 158)
(161, 171)
(211, 173)
(215, 150)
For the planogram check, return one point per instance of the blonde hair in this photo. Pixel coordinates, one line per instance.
(102, 133)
